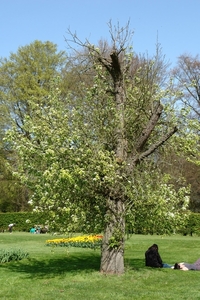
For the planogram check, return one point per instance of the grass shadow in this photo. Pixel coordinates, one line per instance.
(137, 264)
(47, 268)
(134, 264)
(73, 263)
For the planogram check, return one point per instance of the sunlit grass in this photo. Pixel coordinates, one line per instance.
(73, 273)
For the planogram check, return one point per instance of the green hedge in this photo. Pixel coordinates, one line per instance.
(23, 220)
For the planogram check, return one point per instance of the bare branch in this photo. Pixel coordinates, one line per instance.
(153, 147)
(120, 36)
(149, 127)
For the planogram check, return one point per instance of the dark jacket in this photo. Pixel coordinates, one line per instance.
(152, 257)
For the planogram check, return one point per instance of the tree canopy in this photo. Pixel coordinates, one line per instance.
(84, 156)
(24, 75)
(27, 74)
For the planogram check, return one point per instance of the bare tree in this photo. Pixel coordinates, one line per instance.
(187, 74)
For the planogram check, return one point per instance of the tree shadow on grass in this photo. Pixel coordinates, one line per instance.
(47, 268)
(58, 266)
(135, 264)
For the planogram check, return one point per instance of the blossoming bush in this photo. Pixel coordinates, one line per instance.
(91, 241)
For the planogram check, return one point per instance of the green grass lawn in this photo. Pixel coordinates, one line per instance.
(73, 274)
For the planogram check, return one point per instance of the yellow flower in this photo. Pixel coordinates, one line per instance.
(81, 241)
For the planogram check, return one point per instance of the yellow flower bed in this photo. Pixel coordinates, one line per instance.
(85, 241)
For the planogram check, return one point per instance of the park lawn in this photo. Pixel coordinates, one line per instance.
(73, 274)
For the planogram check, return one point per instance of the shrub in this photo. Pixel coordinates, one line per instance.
(12, 255)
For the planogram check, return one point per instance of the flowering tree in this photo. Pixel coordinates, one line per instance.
(158, 207)
(83, 152)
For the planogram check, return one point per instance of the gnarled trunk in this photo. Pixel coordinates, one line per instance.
(112, 257)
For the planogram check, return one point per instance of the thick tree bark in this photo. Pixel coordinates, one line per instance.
(112, 257)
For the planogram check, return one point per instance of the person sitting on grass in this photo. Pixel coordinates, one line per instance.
(186, 266)
(153, 258)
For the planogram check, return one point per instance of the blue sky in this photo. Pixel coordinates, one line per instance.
(174, 23)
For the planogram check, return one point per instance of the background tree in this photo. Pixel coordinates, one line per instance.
(182, 173)
(27, 74)
(187, 74)
(23, 76)
(187, 81)
(13, 196)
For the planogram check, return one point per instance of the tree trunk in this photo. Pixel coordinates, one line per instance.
(112, 257)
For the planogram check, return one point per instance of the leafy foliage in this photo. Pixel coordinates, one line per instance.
(157, 206)
(192, 225)
(82, 155)
(69, 178)
(23, 75)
